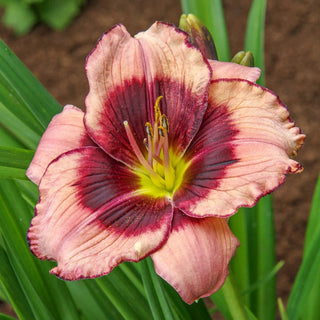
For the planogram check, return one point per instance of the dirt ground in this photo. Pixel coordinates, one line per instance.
(292, 51)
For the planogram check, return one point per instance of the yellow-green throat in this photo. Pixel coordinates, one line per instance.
(161, 174)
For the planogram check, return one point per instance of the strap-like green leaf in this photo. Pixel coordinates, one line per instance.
(14, 162)
(305, 295)
(6, 317)
(15, 157)
(254, 40)
(12, 288)
(26, 90)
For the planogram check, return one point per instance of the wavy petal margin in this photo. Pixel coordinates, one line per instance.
(195, 258)
(89, 218)
(65, 132)
(229, 70)
(126, 75)
(241, 152)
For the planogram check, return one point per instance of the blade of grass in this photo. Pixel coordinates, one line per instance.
(254, 40)
(14, 162)
(264, 301)
(197, 310)
(266, 278)
(12, 173)
(229, 301)
(91, 301)
(130, 309)
(10, 100)
(304, 281)
(12, 288)
(240, 262)
(26, 88)
(309, 309)
(154, 303)
(210, 12)
(8, 140)
(15, 157)
(314, 218)
(6, 317)
(17, 128)
(282, 310)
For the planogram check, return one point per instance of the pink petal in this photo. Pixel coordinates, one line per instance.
(241, 151)
(229, 70)
(65, 132)
(126, 75)
(90, 217)
(195, 258)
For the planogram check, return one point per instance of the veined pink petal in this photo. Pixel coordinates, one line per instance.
(195, 258)
(241, 151)
(126, 75)
(90, 217)
(65, 132)
(229, 70)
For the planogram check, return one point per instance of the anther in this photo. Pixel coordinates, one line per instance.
(149, 129)
(161, 131)
(164, 122)
(157, 111)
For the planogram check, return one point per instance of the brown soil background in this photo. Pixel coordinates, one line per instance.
(292, 51)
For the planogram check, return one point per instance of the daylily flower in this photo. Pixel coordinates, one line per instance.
(170, 145)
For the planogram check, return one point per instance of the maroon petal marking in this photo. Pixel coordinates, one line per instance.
(241, 151)
(126, 75)
(195, 258)
(90, 217)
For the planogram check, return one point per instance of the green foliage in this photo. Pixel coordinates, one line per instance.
(305, 295)
(22, 15)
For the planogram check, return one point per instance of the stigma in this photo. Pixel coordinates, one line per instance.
(156, 161)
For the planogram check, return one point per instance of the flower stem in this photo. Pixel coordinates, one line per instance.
(233, 300)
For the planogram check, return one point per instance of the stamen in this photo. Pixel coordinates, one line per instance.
(158, 159)
(164, 122)
(161, 131)
(145, 142)
(153, 175)
(149, 129)
(150, 151)
(168, 170)
(157, 164)
(165, 149)
(158, 148)
(157, 111)
(157, 116)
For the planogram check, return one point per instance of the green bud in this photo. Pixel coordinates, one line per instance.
(199, 35)
(244, 58)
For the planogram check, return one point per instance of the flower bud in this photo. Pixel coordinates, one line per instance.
(244, 58)
(199, 35)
